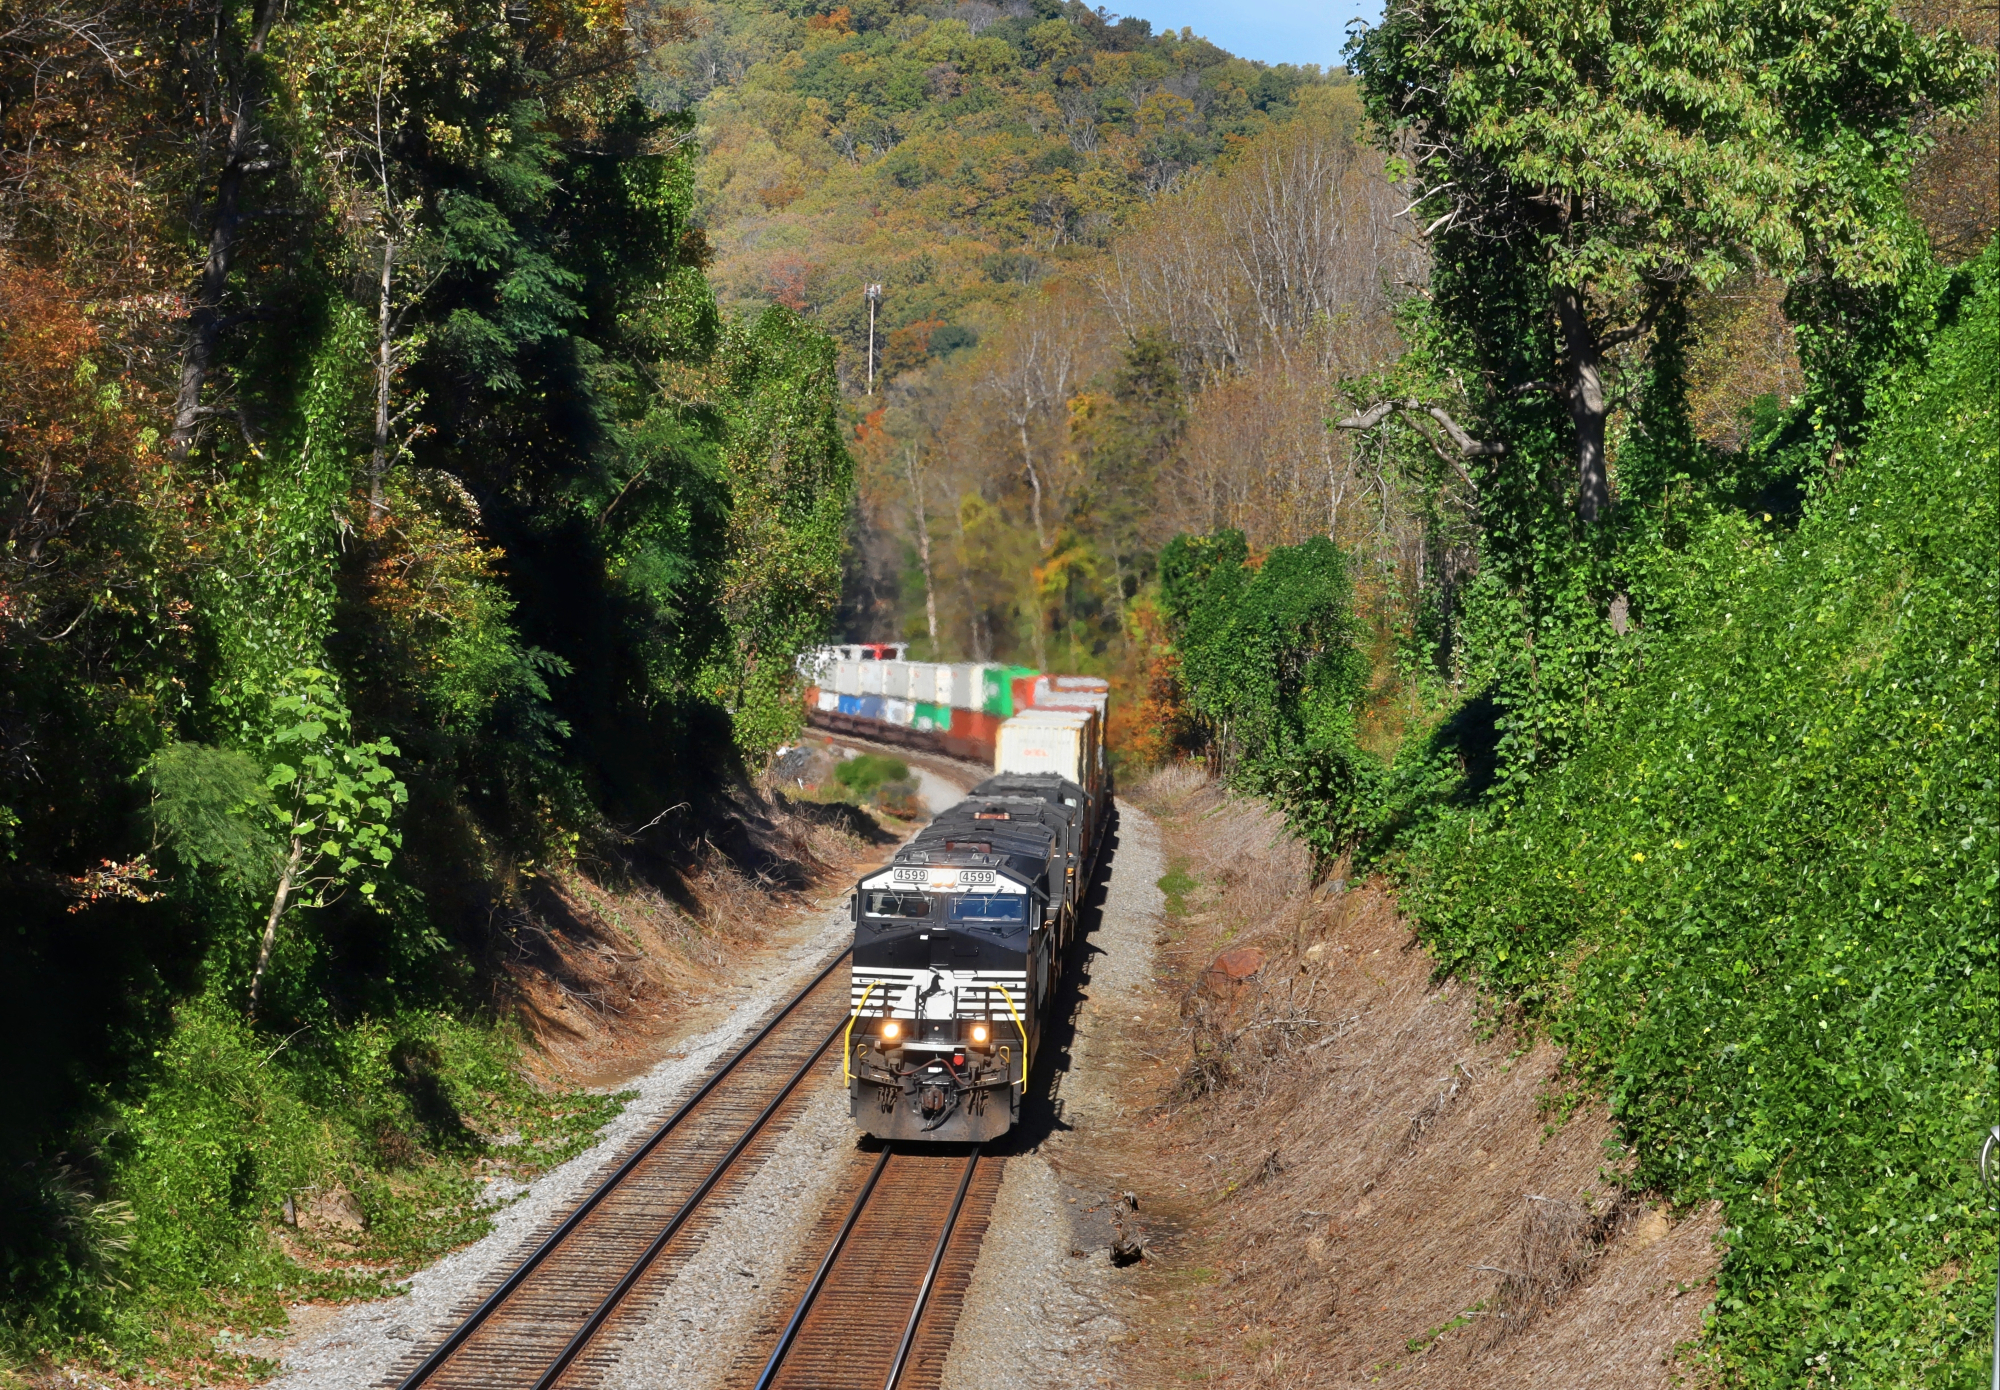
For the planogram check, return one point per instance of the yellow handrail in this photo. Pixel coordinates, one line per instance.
(1023, 1029)
(847, 1038)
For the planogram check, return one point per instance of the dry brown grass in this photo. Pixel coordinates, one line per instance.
(1377, 1189)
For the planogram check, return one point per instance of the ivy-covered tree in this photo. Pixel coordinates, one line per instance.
(1579, 167)
(1270, 671)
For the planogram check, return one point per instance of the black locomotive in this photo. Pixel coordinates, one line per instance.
(958, 944)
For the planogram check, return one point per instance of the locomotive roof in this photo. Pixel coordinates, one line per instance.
(1016, 813)
(1020, 830)
(1044, 786)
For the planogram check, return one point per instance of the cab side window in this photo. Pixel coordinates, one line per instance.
(895, 904)
(982, 909)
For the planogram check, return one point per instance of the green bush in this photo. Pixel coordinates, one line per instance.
(1270, 671)
(403, 1113)
(862, 775)
(1758, 902)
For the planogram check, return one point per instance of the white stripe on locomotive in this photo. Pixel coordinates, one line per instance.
(976, 992)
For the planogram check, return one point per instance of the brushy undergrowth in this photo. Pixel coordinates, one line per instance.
(1759, 902)
(400, 1123)
(874, 779)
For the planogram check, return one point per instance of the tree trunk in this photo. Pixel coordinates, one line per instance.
(385, 371)
(1035, 483)
(206, 321)
(923, 544)
(1037, 615)
(278, 902)
(1586, 403)
(974, 617)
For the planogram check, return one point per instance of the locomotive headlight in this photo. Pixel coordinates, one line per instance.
(979, 1032)
(892, 1029)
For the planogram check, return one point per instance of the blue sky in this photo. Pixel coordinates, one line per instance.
(1272, 31)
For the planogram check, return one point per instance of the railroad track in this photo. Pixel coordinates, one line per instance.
(873, 1300)
(554, 1315)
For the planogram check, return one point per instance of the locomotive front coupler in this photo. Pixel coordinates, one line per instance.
(956, 1062)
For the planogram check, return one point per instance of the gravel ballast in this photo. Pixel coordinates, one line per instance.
(1049, 1316)
(1057, 1329)
(690, 1335)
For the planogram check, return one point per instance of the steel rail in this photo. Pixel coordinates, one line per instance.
(475, 1319)
(811, 1295)
(790, 1335)
(625, 1285)
(930, 1275)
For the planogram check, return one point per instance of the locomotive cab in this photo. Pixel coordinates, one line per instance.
(954, 955)
(958, 946)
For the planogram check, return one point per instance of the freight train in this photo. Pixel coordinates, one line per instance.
(869, 690)
(959, 941)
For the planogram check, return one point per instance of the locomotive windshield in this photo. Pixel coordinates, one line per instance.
(982, 907)
(894, 904)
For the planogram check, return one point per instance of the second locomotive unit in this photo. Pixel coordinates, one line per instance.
(959, 941)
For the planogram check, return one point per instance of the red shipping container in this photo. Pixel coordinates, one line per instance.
(973, 735)
(1024, 692)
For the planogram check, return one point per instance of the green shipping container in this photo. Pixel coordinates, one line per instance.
(932, 718)
(998, 696)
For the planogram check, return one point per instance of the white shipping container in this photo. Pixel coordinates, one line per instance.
(1031, 748)
(1060, 741)
(1059, 697)
(847, 677)
(871, 677)
(1091, 721)
(966, 684)
(898, 711)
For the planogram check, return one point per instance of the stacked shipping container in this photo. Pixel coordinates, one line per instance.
(955, 708)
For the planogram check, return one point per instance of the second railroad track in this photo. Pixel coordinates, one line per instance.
(549, 1316)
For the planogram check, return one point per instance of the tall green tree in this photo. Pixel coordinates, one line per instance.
(1579, 167)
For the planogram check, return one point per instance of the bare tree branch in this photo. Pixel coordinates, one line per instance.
(1468, 447)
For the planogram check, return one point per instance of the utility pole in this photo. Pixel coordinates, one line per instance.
(874, 296)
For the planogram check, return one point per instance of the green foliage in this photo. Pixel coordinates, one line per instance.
(1178, 884)
(1583, 174)
(1121, 439)
(1646, 142)
(236, 1124)
(1269, 666)
(1758, 902)
(334, 799)
(369, 667)
(789, 477)
(206, 805)
(862, 775)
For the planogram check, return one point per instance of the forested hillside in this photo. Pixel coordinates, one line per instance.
(979, 164)
(391, 516)
(954, 154)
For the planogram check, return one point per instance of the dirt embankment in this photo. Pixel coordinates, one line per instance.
(607, 968)
(1360, 1175)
